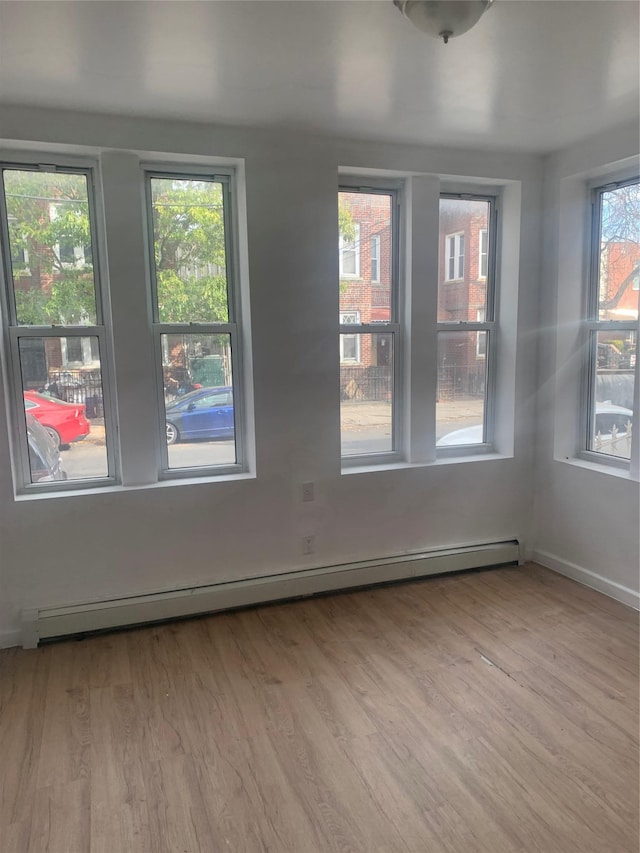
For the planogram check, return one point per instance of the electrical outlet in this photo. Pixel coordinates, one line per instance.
(308, 544)
(307, 492)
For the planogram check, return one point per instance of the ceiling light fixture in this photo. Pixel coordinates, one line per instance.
(443, 18)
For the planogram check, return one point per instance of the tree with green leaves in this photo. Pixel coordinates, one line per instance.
(52, 257)
(50, 240)
(190, 251)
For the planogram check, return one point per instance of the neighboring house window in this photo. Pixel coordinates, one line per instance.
(611, 322)
(370, 380)
(196, 319)
(454, 254)
(466, 332)
(80, 351)
(483, 253)
(375, 259)
(350, 255)
(349, 344)
(53, 318)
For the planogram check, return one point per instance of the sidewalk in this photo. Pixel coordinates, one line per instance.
(354, 414)
(97, 434)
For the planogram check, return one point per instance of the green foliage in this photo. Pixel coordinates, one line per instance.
(48, 214)
(185, 299)
(346, 230)
(190, 251)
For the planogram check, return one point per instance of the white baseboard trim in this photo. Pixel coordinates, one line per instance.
(47, 622)
(621, 593)
(8, 639)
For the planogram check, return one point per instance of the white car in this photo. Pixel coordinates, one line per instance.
(608, 415)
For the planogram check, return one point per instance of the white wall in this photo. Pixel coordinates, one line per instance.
(587, 516)
(127, 541)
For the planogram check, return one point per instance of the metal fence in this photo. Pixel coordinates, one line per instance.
(78, 386)
(456, 381)
(366, 383)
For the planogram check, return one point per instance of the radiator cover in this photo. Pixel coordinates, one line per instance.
(48, 622)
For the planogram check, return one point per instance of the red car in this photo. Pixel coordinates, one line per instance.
(65, 422)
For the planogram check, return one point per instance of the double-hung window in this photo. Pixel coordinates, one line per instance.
(466, 323)
(56, 338)
(195, 321)
(53, 327)
(612, 322)
(370, 331)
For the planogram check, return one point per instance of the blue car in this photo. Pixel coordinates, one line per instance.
(205, 413)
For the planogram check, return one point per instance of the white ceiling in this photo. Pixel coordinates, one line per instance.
(533, 75)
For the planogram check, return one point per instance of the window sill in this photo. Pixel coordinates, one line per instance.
(114, 488)
(368, 467)
(623, 473)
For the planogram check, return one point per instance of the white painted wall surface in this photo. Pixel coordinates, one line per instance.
(127, 541)
(587, 516)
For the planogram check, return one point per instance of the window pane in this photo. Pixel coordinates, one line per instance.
(462, 288)
(67, 407)
(366, 396)
(49, 234)
(198, 396)
(461, 388)
(365, 223)
(619, 254)
(611, 416)
(189, 251)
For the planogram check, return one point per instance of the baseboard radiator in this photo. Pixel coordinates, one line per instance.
(49, 622)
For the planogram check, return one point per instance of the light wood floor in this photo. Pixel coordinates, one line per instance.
(489, 712)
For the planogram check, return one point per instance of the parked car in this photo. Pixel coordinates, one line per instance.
(608, 415)
(65, 422)
(204, 413)
(44, 457)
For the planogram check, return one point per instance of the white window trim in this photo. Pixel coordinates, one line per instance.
(488, 325)
(592, 326)
(351, 246)
(458, 259)
(394, 188)
(118, 180)
(12, 333)
(232, 327)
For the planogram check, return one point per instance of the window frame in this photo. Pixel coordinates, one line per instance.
(456, 257)
(344, 247)
(483, 255)
(344, 360)
(375, 257)
(592, 326)
(395, 328)
(12, 332)
(228, 179)
(489, 325)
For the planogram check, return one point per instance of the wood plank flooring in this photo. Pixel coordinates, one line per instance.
(489, 712)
